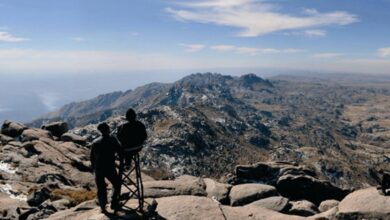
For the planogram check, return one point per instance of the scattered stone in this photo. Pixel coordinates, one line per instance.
(246, 193)
(38, 197)
(218, 191)
(328, 204)
(303, 208)
(61, 204)
(276, 203)
(56, 128)
(53, 178)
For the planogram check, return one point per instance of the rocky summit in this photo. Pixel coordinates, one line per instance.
(219, 147)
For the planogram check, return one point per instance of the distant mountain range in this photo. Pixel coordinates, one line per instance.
(206, 124)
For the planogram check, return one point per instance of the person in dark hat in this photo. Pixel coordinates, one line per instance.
(103, 155)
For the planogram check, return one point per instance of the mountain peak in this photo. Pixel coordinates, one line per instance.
(250, 79)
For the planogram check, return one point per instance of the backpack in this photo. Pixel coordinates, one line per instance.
(132, 135)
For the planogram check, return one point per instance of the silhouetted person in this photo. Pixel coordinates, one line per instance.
(103, 151)
(131, 134)
(385, 183)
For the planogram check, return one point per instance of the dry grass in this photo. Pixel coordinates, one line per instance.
(164, 124)
(74, 196)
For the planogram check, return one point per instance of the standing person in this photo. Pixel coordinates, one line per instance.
(103, 151)
(131, 134)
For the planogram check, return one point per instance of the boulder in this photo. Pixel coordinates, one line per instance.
(31, 134)
(364, 204)
(328, 204)
(56, 128)
(218, 191)
(12, 129)
(5, 139)
(303, 208)
(267, 172)
(183, 185)
(188, 207)
(246, 193)
(38, 197)
(276, 203)
(69, 137)
(304, 187)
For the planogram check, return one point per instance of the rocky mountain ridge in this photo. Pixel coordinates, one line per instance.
(206, 124)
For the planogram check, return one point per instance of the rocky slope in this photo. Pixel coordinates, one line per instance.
(47, 176)
(206, 124)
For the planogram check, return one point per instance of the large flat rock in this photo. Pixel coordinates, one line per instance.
(189, 207)
(184, 185)
(246, 193)
(276, 203)
(365, 203)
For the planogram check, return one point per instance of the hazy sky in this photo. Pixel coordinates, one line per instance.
(104, 36)
(53, 52)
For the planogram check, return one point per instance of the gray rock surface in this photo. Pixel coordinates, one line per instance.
(73, 138)
(12, 129)
(218, 191)
(246, 193)
(328, 204)
(184, 185)
(303, 208)
(31, 134)
(365, 204)
(275, 203)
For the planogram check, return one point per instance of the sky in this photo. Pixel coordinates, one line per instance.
(106, 36)
(53, 52)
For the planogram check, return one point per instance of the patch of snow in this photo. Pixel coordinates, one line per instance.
(5, 167)
(7, 189)
(220, 120)
(204, 98)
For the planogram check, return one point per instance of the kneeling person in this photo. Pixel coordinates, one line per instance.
(103, 151)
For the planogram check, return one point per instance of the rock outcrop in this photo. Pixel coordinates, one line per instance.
(365, 204)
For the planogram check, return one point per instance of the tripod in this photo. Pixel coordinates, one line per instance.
(130, 173)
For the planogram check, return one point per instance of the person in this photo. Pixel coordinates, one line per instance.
(103, 154)
(131, 134)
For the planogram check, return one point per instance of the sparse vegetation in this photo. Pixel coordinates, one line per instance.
(74, 196)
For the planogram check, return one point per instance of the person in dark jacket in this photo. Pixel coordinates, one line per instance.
(103, 154)
(131, 134)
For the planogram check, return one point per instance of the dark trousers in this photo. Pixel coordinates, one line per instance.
(115, 180)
